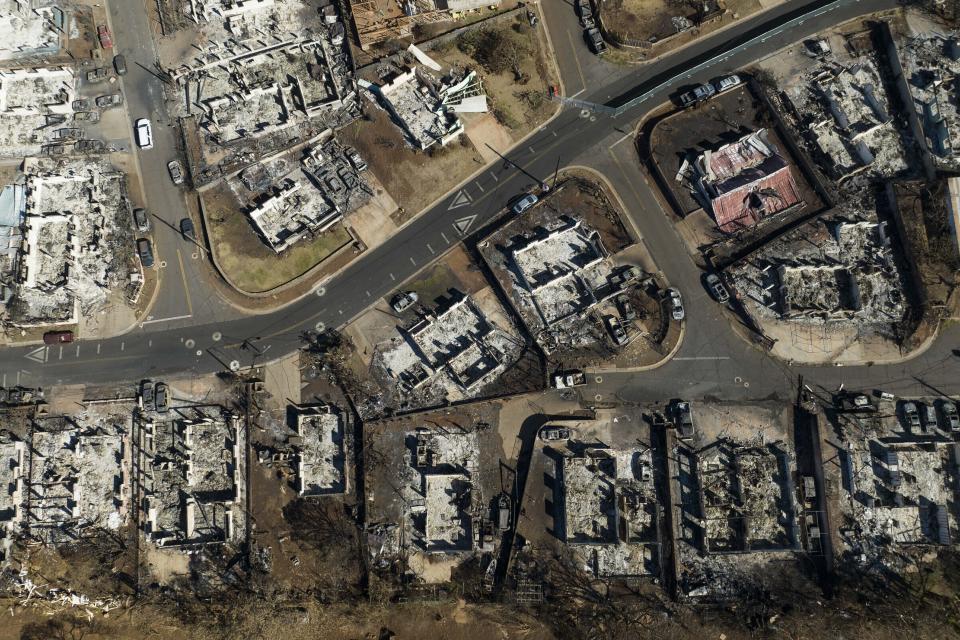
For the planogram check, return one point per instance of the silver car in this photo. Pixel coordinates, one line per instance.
(525, 203)
(676, 303)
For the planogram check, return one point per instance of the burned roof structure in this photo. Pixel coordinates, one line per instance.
(746, 181)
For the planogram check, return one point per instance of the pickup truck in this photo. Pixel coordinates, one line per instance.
(568, 379)
(103, 33)
(110, 100)
(595, 40)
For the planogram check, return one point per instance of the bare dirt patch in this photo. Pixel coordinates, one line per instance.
(244, 258)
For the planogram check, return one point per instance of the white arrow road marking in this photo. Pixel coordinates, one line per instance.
(37, 355)
(462, 199)
(464, 223)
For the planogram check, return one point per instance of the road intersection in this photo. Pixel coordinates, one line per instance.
(713, 360)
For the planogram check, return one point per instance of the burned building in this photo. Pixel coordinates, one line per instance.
(899, 488)
(452, 352)
(309, 198)
(76, 245)
(827, 271)
(745, 182)
(190, 476)
(35, 106)
(271, 74)
(746, 498)
(931, 70)
(557, 273)
(321, 462)
(609, 510)
(843, 112)
(31, 30)
(426, 108)
(76, 478)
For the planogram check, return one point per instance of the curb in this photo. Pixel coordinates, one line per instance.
(650, 367)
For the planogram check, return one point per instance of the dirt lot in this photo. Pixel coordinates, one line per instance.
(249, 263)
(646, 24)
(414, 179)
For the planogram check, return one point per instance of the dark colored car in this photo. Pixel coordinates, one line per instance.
(146, 395)
(187, 231)
(697, 94)
(145, 251)
(161, 397)
(120, 64)
(57, 337)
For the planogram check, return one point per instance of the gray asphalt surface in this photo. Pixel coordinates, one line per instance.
(713, 360)
(184, 296)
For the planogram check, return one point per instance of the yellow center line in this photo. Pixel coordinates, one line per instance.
(576, 58)
(186, 289)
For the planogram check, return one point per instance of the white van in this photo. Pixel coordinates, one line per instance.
(144, 134)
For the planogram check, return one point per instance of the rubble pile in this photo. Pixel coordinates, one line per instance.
(829, 271)
(76, 248)
(843, 111)
(289, 203)
(449, 353)
(271, 74)
(556, 272)
(609, 510)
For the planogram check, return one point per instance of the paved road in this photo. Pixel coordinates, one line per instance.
(713, 361)
(184, 296)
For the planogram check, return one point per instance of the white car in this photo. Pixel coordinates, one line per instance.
(724, 84)
(144, 134)
(525, 203)
(676, 303)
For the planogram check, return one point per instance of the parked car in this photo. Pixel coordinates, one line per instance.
(524, 203)
(569, 379)
(930, 416)
(86, 116)
(677, 311)
(696, 95)
(616, 331)
(176, 171)
(144, 134)
(145, 251)
(54, 149)
(595, 40)
(717, 288)
(90, 146)
(57, 337)
(103, 34)
(356, 160)
(683, 419)
(626, 276)
(403, 301)
(911, 415)
(725, 84)
(187, 230)
(950, 417)
(110, 100)
(80, 104)
(69, 133)
(141, 219)
(162, 397)
(97, 75)
(553, 434)
(120, 65)
(146, 395)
